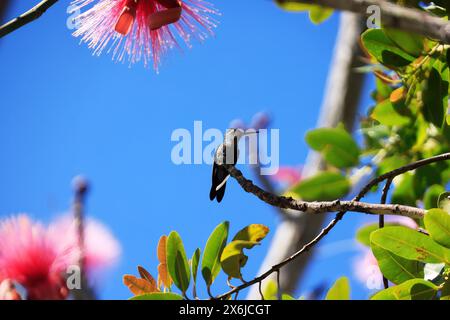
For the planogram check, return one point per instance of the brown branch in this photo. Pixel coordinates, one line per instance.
(381, 218)
(323, 206)
(26, 17)
(248, 186)
(81, 188)
(392, 15)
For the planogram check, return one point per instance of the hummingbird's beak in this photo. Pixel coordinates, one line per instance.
(252, 132)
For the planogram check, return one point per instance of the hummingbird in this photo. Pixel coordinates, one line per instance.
(226, 153)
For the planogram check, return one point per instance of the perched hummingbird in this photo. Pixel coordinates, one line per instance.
(226, 153)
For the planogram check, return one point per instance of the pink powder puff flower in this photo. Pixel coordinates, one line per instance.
(289, 176)
(140, 29)
(101, 250)
(31, 258)
(37, 258)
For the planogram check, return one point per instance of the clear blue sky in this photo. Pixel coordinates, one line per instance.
(64, 112)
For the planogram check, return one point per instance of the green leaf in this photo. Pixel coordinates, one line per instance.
(410, 244)
(404, 192)
(158, 296)
(363, 233)
(233, 259)
(408, 42)
(444, 201)
(177, 262)
(391, 163)
(212, 252)
(286, 296)
(395, 268)
(437, 223)
(340, 290)
(253, 232)
(430, 199)
(388, 114)
(337, 146)
(322, 187)
(317, 14)
(194, 263)
(292, 6)
(433, 107)
(384, 50)
(270, 290)
(415, 289)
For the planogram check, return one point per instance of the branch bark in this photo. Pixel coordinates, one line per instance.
(27, 17)
(392, 15)
(324, 206)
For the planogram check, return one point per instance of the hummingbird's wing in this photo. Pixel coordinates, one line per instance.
(219, 178)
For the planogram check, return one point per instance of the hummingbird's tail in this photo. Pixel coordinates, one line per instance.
(217, 194)
(219, 179)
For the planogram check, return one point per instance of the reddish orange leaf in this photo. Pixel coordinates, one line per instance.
(161, 249)
(139, 286)
(397, 95)
(146, 275)
(163, 276)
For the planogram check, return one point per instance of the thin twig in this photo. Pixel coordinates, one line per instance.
(260, 291)
(392, 15)
(26, 17)
(381, 218)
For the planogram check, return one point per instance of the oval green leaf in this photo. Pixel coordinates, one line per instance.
(415, 289)
(410, 244)
(337, 146)
(177, 263)
(340, 290)
(363, 233)
(322, 187)
(431, 196)
(389, 115)
(411, 43)
(437, 223)
(194, 263)
(433, 106)
(395, 268)
(212, 252)
(384, 50)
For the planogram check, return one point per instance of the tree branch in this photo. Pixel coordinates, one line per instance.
(323, 206)
(384, 195)
(272, 199)
(392, 15)
(27, 17)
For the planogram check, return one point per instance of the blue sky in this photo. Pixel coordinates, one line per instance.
(64, 112)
